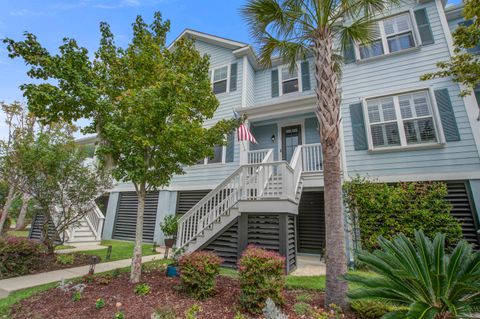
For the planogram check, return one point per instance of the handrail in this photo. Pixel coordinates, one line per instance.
(258, 156)
(312, 158)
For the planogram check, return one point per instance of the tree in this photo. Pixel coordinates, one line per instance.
(297, 29)
(147, 104)
(20, 224)
(20, 123)
(464, 66)
(56, 178)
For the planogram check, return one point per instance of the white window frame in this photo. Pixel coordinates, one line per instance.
(280, 79)
(439, 135)
(212, 72)
(224, 157)
(384, 40)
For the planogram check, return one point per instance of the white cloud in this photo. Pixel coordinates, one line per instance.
(26, 12)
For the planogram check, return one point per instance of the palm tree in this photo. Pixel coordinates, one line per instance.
(297, 29)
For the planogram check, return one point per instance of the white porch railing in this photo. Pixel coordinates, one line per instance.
(95, 219)
(312, 160)
(258, 156)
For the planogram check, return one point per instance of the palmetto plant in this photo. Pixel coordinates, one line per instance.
(297, 29)
(421, 279)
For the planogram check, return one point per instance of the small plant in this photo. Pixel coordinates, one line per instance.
(270, 311)
(421, 278)
(199, 271)
(99, 303)
(192, 312)
(165, 312)
(332, 312)
(104, 280)
(371, 309)
(116, 273)
(88, 278)
(262, 276)
(119, 315)
(304, 298)
(76, 296)
(169, 225)
(65, 259)
(239, 315)
(302, 308)
(142, 289)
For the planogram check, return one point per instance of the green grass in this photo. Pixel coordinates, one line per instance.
(306, 282)
(60, 247)
(17, 296)
(18, 233)
(120, 250)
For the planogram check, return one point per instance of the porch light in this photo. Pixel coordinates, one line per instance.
(91, 271)
(273, 138)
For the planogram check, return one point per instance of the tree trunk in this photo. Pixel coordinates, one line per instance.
(136, 269)
(23, 212)
(6, 207)
(328, 114)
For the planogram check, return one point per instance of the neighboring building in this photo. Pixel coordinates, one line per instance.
(394, 128)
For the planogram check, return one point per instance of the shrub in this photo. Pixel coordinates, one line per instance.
(420, 278)
(99, 303)
(142, 289)
(169, 225)
(371, 309)
(89, 278)
(192, 312)
(18, 256)
(105, 279)
(198, 274)
(262, 276)
(165, 312)
(119, 315)
(270, 311)
(6, 225)
(76, 296)
(380, 209)
(65, 259)
(302, 308)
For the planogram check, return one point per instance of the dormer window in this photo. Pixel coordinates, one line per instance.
(289, 80)
(220, 77)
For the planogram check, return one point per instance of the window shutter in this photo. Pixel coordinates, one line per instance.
(230, 148)
(275, 88)
(475, 49)
(445, 109)
(233, 77)
(305, 76)
(423, 25)
(358, 127)
(349, 53)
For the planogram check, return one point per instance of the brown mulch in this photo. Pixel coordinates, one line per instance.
(56, 304)
(49, 262)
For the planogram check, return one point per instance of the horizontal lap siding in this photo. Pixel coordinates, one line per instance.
(397, 73)
(126, 217)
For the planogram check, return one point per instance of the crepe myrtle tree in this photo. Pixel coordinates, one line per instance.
(146, 102)
(298, 29)
(57, 179)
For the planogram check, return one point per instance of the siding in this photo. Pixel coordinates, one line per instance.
(397, 73)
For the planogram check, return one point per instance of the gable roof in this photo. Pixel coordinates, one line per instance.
(209, 38)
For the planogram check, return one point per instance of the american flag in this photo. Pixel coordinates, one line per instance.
(244, 134)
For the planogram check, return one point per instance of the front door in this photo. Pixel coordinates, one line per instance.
(291, 138)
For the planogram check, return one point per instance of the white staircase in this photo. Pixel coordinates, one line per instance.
(89, 229)
(254, 185)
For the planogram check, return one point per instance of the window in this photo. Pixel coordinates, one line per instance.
(401, 120)
(218, 155)
(219, 83)
(289, 80)
(390, 35)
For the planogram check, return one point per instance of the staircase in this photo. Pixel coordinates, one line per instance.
(89, 229)
(257, 185)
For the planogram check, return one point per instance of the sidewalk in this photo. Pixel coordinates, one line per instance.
(81, 247)
(18, 283)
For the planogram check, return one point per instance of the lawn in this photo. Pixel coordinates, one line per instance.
(17, 296)
(120, 250)
(18, 233)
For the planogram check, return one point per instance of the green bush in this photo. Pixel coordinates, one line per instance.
(380, 209)
(420, 279)
(65, 259)
(262, 276)
(169, 225)
(99, 303)
(18, 256)
(198, 273)
(6, 225)
(371, 309)
(142, 289)
(76, 296)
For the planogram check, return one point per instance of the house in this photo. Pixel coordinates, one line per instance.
(394, 128)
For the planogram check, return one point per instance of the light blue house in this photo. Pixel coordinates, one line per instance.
(394, 128)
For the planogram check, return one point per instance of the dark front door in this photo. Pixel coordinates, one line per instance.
(291, 138)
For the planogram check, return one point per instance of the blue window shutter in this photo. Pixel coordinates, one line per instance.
(230, 148)
(360, 140)
(305, 76)
(423, 25)
(445, 109)
(275, 88)
(349, 53)
(475, 49)
(233, 77)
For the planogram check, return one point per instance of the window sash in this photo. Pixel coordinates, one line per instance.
(219, 80)
(424, 126)
(286, 77)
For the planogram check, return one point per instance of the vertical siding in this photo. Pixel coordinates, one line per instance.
(397, 73)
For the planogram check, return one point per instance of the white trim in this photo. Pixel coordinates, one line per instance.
(469, 101)
(286, 123)
(244, 80)
(280, 79)
(426, 177)
(212, 70)
(209, 38)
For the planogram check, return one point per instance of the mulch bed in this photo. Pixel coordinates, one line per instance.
(165, 291)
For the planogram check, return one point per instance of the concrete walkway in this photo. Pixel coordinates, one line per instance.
(81, 247)
(18, 283)
(309, 265)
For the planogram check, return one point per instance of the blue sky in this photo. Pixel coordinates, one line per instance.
(51, 20)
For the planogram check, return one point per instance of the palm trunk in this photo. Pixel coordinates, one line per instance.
(136, 269)
(23, 212)
(328, 114)
(6, 207)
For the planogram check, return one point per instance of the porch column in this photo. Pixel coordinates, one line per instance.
(110, 215)
(475, 192)
(244, 148)
(167, 205)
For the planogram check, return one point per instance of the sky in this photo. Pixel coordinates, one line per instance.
(52, 20)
